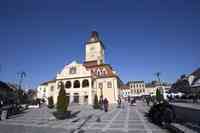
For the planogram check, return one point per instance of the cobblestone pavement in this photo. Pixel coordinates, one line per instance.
(128, 120)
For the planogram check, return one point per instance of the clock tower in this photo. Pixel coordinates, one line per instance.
(94, 49)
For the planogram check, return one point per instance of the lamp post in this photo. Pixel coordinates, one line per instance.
(101, 92)
(161, 89)
(101, 89)
(101, 97)
(21, 76)
(158, 76)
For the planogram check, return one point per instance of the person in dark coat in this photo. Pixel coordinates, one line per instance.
(129, 99)
(101, 102)
(105, 103)
(147, 100)
(119, 101)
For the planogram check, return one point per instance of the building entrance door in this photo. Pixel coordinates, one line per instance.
(86, 99)
(68, 97)
(76, 98)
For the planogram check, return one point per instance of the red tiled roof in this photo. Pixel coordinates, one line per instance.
(106, 67)
(90, 63)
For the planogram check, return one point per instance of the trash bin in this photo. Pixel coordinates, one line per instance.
(4, 114)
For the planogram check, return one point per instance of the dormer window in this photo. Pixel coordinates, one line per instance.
(104, 72)
(98, 72)
(72, 70)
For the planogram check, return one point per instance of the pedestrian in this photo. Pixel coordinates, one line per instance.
(119, 101)
(105, 103)
(133, 101)
(129, 99)
(147, 100)
(123, 103)
(101, 102)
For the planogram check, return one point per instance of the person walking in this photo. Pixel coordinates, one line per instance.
(123, 103)
(119, 101)
(105, 103)
(101, 102)
(147, 100)
(129, 99)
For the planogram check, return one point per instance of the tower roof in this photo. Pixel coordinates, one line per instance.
(94, 37)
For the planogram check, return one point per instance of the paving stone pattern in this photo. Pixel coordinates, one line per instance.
(128, 120)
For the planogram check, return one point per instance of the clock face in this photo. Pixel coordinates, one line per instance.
(92, 39)
(92, 49)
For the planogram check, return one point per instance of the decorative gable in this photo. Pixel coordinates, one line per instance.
(73, 70)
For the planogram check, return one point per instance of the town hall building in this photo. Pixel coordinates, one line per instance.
(83, 80)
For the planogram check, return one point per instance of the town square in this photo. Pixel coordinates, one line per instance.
(99, 66)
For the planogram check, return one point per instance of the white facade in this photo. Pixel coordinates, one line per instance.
(137, 88)
(83, 81)
(94, 52)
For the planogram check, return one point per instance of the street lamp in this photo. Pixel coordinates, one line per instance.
(21, 76)
(101, 88)
(101, 97)
(160, 88)
(158, 76)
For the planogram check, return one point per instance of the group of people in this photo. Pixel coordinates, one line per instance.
(122, 102)
(104, 104)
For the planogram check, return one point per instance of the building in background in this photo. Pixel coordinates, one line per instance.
(137, 88)
(188, 83)
(140, 88)
(194, 80)
(154, 85)
(83, 80)
(125, 91)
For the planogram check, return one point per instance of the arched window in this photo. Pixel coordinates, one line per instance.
(98, 72)
(85, 83)
(76, 84)
(60, 85)
(68, 84)
(104, 72)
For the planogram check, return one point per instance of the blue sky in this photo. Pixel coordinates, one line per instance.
(141, 37)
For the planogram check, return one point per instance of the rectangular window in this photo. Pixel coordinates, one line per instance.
(72, 70)
(52, 88)
(131, 91)
(109, 85)
(100, 85)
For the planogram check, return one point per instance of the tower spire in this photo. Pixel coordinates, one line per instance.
(94, 37)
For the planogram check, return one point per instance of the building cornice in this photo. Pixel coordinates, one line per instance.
(73, 78)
